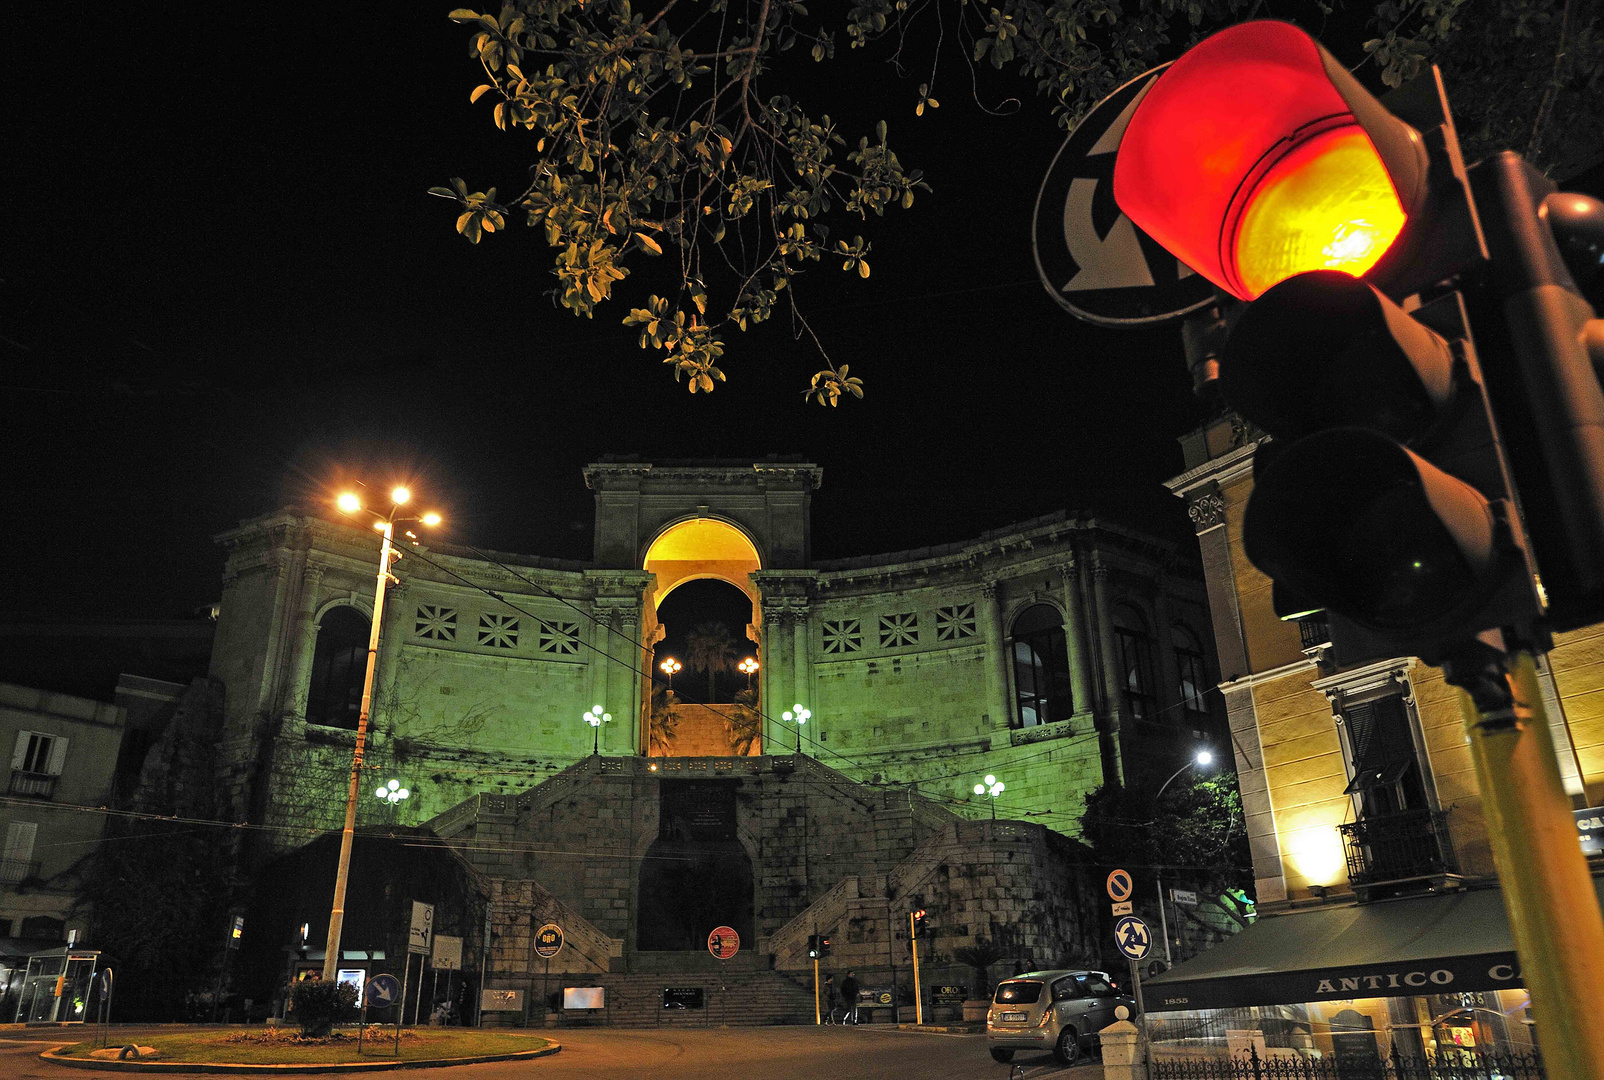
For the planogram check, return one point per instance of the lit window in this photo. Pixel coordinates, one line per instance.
(1041, 668)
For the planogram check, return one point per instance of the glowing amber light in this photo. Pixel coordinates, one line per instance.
(350, 503)
(400, 495)
(1326, 205)
(431, 519)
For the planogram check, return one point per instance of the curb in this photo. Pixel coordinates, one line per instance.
(945, 1029)
(53, 1055)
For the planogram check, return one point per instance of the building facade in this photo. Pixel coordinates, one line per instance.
(1381, 925)
(1056, 654)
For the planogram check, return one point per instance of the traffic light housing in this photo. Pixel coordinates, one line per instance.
(824, 947)
(813, 947)
(1367, 255)
(921, 924)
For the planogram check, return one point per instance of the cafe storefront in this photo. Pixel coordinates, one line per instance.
(1431, 979)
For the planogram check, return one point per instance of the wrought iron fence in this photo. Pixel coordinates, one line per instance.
(1398, 847)
(1448, 1063)
(1315, 632)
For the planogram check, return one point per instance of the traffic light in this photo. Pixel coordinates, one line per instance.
(813, 947)
(921, 924)
(824, 947)
(1371, 262)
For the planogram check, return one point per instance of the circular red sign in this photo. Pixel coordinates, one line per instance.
(723, 942)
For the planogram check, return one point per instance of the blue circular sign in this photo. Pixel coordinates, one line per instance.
(1132, 938)
(383, 990)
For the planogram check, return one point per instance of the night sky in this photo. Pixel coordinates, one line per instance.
(226, 288)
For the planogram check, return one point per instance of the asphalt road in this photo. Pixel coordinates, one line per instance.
(775, 1053)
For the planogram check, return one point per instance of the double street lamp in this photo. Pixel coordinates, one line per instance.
(749, 666)
(385, 524)
(668, 667)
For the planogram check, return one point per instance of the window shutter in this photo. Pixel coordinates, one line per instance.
(58, 754)
(21, 750)
(19, 841)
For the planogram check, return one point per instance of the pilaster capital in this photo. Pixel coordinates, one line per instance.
(1207, 510)
(990, 590)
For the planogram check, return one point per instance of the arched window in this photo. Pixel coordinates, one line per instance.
(1041, 668)
(1191, 669)
(338, 664)
(1135, 662)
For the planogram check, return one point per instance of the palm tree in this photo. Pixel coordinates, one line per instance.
(711, 648)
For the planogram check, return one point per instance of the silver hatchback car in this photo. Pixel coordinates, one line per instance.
(1061, 1011)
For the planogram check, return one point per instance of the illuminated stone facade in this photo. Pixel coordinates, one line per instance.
(909, 662)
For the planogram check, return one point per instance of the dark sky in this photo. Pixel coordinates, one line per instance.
(226, 286)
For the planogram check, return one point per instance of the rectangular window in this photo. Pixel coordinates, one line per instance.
(16, 860)
(1136, 661)
(36, 762)
(1386, 769)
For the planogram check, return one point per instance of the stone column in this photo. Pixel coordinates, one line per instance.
(294, 697)
(632, 732)
(776, 678)
(1080, 656)
(392, 638)
(1114, 695)
(1169, 673)
(601, 637)
(279, 629)
(801, 664)
(996, 644)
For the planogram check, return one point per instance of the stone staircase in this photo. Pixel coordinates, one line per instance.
(736, 998)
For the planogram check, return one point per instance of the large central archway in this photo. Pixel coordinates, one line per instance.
(697, 549)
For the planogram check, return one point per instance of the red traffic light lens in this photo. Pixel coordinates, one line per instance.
(1256, 156)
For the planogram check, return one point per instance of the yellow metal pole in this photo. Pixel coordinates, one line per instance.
(918, 1003)
(1548, 891)
(817, 1017)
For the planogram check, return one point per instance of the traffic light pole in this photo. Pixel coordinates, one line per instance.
(1548, 890)
(817, 1018)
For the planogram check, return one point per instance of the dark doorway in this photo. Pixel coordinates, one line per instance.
(689, 615)
(696, 875)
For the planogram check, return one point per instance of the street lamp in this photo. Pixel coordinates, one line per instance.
(749, 665)
(596, 718)
(668, 667)
(797, 715)
(348, 504)
(393, 792)
(992, 787)
(1202, 759)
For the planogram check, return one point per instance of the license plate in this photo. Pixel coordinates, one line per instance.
(1013, 1018)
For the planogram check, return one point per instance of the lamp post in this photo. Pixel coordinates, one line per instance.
(596, 718)
(797, 715)
(749, 666)
(385, 524)
(668, 667)
(1202, 759)
(993, 787)
(392, 793)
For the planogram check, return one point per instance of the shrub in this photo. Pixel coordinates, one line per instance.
(317, 1005)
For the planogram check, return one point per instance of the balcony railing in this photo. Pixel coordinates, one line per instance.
(1406, 846)
(15, 870)
(32, 784)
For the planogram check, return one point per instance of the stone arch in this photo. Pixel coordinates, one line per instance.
(701, 546)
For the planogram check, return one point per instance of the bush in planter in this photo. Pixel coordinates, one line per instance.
(317, 1005)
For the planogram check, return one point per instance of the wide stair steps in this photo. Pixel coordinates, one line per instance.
(733, 998)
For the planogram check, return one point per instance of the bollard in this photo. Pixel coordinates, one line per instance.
(1123, 1058)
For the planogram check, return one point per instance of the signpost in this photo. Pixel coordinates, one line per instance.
(1119, 885)
(548, 943)
(447, 957)
(1091, 258)
(1184, 896)
(1133, 939)
(723, 942)
(382, 991)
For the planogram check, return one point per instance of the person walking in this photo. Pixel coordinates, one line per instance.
(849, 997)
(828, 989)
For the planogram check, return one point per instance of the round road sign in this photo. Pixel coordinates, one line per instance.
(383, 990)
(1091, 258)
(1132, 937)
(549, 940)
(723, 942)
(1119, 885)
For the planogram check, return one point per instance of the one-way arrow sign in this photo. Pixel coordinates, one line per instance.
(1091, 258)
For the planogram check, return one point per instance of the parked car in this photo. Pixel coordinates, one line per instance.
(1061, 1011)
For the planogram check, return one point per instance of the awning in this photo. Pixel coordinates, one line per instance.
(1440, 944)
